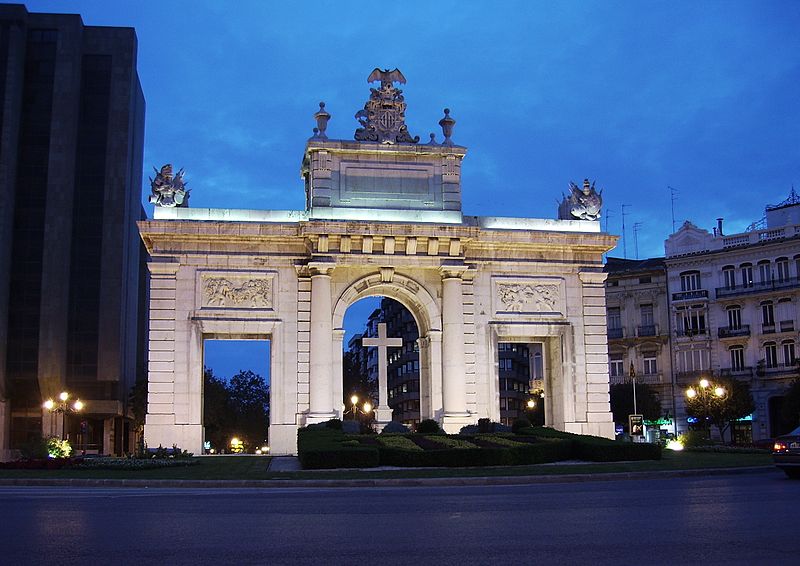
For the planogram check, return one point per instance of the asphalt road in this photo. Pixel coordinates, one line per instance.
(743, 519)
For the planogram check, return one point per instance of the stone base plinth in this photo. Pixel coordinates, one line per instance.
(186, 437)
(602, 429)
(282, 439)
(319, 418)
(452, 424)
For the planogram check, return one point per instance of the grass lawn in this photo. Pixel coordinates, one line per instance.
(255, 468)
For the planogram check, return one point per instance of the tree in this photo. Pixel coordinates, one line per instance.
(249, 397)
(218, 414)
(721, 410)
(790, 410)
(647, 403)
(355, 380)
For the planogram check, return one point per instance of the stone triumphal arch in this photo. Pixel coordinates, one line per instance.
(382, 217)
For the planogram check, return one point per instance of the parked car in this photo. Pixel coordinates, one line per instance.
(786, 453)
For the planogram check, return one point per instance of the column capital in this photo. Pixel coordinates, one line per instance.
(321, 267)
(163, 268)
(453, 270)
(592, 277)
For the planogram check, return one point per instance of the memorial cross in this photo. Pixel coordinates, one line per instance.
(382, 342)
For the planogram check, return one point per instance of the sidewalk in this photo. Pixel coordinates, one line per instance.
(394, 482)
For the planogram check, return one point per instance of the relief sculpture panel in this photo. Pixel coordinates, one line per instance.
(236, 290)
(534, 296)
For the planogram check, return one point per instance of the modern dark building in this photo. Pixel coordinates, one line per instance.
(71, 138)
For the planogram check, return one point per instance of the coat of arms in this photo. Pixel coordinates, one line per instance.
(383, 117)
(168, 190)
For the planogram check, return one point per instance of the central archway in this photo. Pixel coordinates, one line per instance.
(427, 315)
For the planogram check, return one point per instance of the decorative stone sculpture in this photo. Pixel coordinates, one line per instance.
(383, 117)
(582, 203)
(168, 190)
(322, 118)
(447, 124)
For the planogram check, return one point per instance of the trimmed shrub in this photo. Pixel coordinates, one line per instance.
(398, 442)
(469, 430)
(428, 426)
(520, 424)
(351, 427)
(325, 448)
(393, 427)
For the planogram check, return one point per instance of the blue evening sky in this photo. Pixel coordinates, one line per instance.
(641, 96)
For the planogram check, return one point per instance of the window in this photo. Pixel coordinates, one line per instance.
(771, 354)
(691, 320)
(747, 274)
(616, 365)
(613, 283)
(614, 318)
(734, 317)
(690, 281)
(643, 280)
(788, 352)
(647, 314)
(785, 312)
(737, 357)
(782, 268)
(729, 277)
(768, 316)
(764, 271)
(650, 364)
(693, 360)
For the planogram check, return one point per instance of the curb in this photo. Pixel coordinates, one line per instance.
(378, 482)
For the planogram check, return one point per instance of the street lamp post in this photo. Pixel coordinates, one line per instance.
(705, 393)
(62, 406)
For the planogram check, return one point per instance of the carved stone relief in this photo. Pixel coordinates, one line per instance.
(236, 291)
(531, 296)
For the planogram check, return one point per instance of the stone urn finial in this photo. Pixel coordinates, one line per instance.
(433, 139)
(322, 118)
(447, 124)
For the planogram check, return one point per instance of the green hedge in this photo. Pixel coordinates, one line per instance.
(596, 449)
(325, 448)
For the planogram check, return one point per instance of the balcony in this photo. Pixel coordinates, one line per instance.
(753, 288)
(778, 371)
(691, 332)
(650, 379)
(787, 326)
(768, 328)
(744, 371)
(690, 295)
(614, 333)
(647, 330)
(728, 332)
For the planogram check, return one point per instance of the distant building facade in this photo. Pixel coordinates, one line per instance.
(638, 315)
(734, 309)
(71, 138)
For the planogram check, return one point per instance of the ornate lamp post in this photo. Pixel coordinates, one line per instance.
(63, 406)
(706, 394)
(365, 409)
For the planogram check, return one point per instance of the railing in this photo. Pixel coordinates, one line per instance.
(689, 332)
(768, 328)
(760, 287)
(778, 369)
(737, 372)
(691, 376)
(728, 332)
(787, 326)
(647, 330)
(614, 333)
(688, 295)
(650, 379)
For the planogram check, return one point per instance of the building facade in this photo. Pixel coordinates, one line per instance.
(638, 315)
(734, 309)
(383, 218)
(71, 138)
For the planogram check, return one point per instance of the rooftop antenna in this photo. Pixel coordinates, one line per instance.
(624, 243)
(636, 227)
(673, 197)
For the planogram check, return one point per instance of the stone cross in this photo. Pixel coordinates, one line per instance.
(383, 413)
